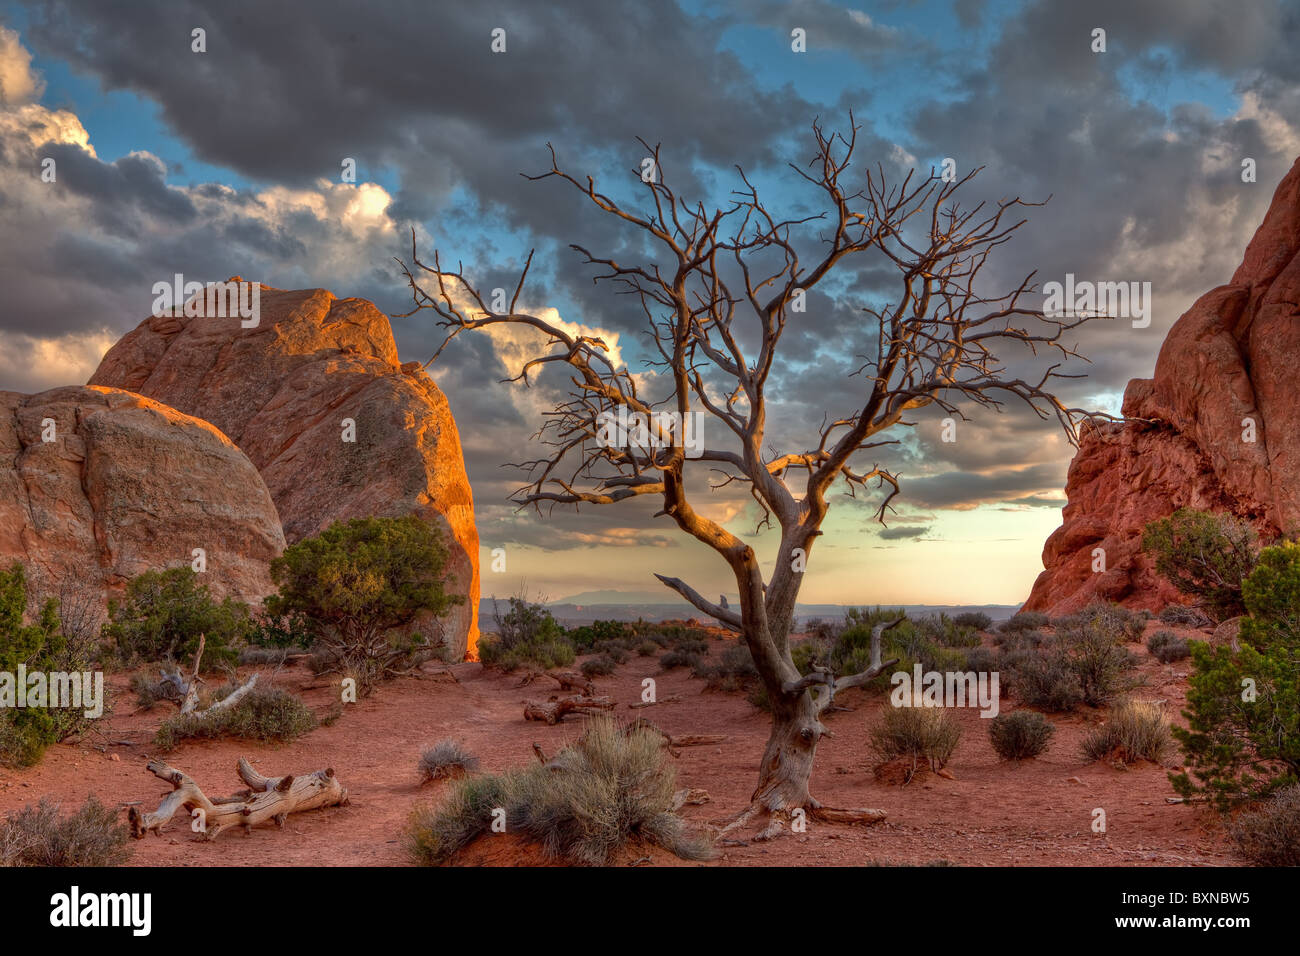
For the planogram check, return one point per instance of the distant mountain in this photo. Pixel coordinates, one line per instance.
(612, 596)
(613, 605)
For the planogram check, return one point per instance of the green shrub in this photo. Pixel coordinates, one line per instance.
(1205, 555)
(527, 636)
(1134, 730)
(1242, 740)
(1020, 734)
(1269, 835)
(1167, 647)
(25, 732)
(38, 836)
(647, 648)
(285, 631)
(162, 614)
(361, 586)
(916, 733)
(592, 636)
(265, 714)
(596, 795)
(446, 760)
(601, 666)
(977, 620)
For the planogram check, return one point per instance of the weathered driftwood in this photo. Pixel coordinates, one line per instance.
(267, 798)
(573, 681)
(175, 687)
(553, 711)
(671, 699)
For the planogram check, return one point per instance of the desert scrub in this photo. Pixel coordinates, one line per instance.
(1134, 730)
(1167, 647)
(1110, 619)
(264, 714)
(601, 666)
(611, 786)
(1020, 734)
(1181, 615)
(679, 658)
(447, 759)
(39, 836)
(647, 648)
(527, 636)
(1024, 621)
(916, 733)
(734, 670)
(1269, 834)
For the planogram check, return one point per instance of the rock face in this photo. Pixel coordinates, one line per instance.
(125, 485)
(285, 392)
(1226, 375)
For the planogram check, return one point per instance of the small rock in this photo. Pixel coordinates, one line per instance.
(1073, 780)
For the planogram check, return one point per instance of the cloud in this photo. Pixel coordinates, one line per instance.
(19, 83)
(902, 532)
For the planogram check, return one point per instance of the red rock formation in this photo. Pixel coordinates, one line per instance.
(282, 391)
(1231, 357)
(128, 485)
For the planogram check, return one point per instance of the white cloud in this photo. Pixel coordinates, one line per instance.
(19, 83)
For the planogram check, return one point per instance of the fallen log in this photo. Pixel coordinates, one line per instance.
(553, 711)
(573, 681)
(267, 798)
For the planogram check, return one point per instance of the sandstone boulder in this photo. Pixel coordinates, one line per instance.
(125, 485)
(1225, 374)
(315, 372)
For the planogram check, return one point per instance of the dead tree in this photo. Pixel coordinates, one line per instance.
(716, 298)
(554, 710)
(267, 798)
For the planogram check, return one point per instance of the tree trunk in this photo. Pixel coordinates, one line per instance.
(788, 760)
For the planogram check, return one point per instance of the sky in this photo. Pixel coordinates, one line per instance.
(228, 162)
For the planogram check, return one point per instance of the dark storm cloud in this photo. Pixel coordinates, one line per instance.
(964, 489)
(1135, 194)
(287, 90)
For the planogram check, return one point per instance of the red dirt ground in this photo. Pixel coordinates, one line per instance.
(1039, 812)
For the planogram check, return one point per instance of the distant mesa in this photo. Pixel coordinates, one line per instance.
(1226, 374)
(98, 485)
(283, 391)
